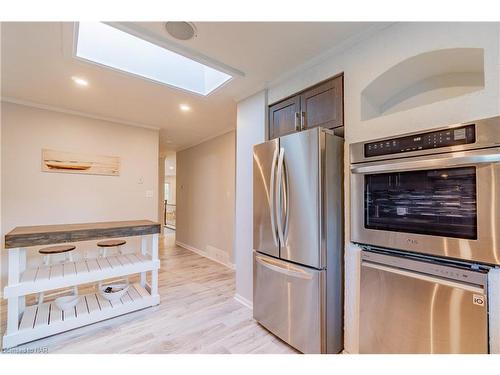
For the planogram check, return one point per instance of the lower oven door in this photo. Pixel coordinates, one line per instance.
(408, 311)
(289, 301)
(444, 204)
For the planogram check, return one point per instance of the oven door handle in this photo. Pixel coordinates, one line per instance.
(459, 159)
(423, 277)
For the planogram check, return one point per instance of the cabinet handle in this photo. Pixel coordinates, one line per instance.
(302, 120)
(297, 122)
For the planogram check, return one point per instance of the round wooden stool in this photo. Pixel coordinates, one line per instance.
(108, 244)
(59, 249)
(47, 252)
(103, 252)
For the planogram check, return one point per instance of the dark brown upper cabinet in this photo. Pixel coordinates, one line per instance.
(320, 105)
(284, 117)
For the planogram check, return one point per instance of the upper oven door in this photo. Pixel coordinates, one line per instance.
(445, 205)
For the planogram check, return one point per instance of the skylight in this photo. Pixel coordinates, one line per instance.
(106, 45)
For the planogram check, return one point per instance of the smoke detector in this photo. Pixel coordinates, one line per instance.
(181, 30)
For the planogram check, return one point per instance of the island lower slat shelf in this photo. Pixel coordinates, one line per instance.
(44, 278)
(47, 319)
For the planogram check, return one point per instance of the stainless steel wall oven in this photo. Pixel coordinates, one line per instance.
(425, 208)
(417, 304)
(434, 193)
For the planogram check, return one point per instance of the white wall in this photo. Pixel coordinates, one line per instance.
(32, 197)
(363, 63)
(250, 130)
(205, 198)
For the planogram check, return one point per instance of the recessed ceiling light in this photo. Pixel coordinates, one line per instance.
(80, 81)
(184, 107)
(171, 168)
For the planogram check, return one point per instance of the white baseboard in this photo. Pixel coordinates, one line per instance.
(243, 301)
(204, 254)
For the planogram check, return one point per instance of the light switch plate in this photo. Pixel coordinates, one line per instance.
(149, 193)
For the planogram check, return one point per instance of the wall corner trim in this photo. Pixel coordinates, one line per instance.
(243, 301)
(209, 138)
(231, 266)
(494, 310)
(46, 107)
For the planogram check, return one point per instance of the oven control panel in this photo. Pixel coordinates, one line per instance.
(441, 138)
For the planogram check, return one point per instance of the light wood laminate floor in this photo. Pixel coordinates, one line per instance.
(197, 314)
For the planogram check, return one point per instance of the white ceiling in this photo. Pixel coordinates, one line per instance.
(37, 68)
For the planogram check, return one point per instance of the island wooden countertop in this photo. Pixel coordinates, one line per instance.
(62, 233)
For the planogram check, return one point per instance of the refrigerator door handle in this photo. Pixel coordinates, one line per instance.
(289, 270)
(272, 192)
(278, 198)
(286, 200)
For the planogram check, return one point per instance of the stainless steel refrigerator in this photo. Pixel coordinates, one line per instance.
(298, 239)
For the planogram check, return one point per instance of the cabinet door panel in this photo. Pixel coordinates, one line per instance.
(282, 117)
(323, 105)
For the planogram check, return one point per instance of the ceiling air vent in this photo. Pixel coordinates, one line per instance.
(181, 30)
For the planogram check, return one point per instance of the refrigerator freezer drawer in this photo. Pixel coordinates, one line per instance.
(403, 311)
(288, 301)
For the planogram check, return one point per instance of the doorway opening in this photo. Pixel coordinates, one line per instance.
(169, 209)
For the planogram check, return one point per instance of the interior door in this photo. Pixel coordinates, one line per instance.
(289, 301)
(300, 220)
(409, 312)
(322, 105)
(265, 237)
(283, 117)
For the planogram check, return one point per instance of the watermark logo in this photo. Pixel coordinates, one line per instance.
(35, 350)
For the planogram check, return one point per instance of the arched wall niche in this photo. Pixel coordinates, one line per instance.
(424, 79)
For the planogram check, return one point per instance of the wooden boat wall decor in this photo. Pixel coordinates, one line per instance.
(72, 162)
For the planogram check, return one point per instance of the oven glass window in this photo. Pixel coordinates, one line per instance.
(439, 202)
